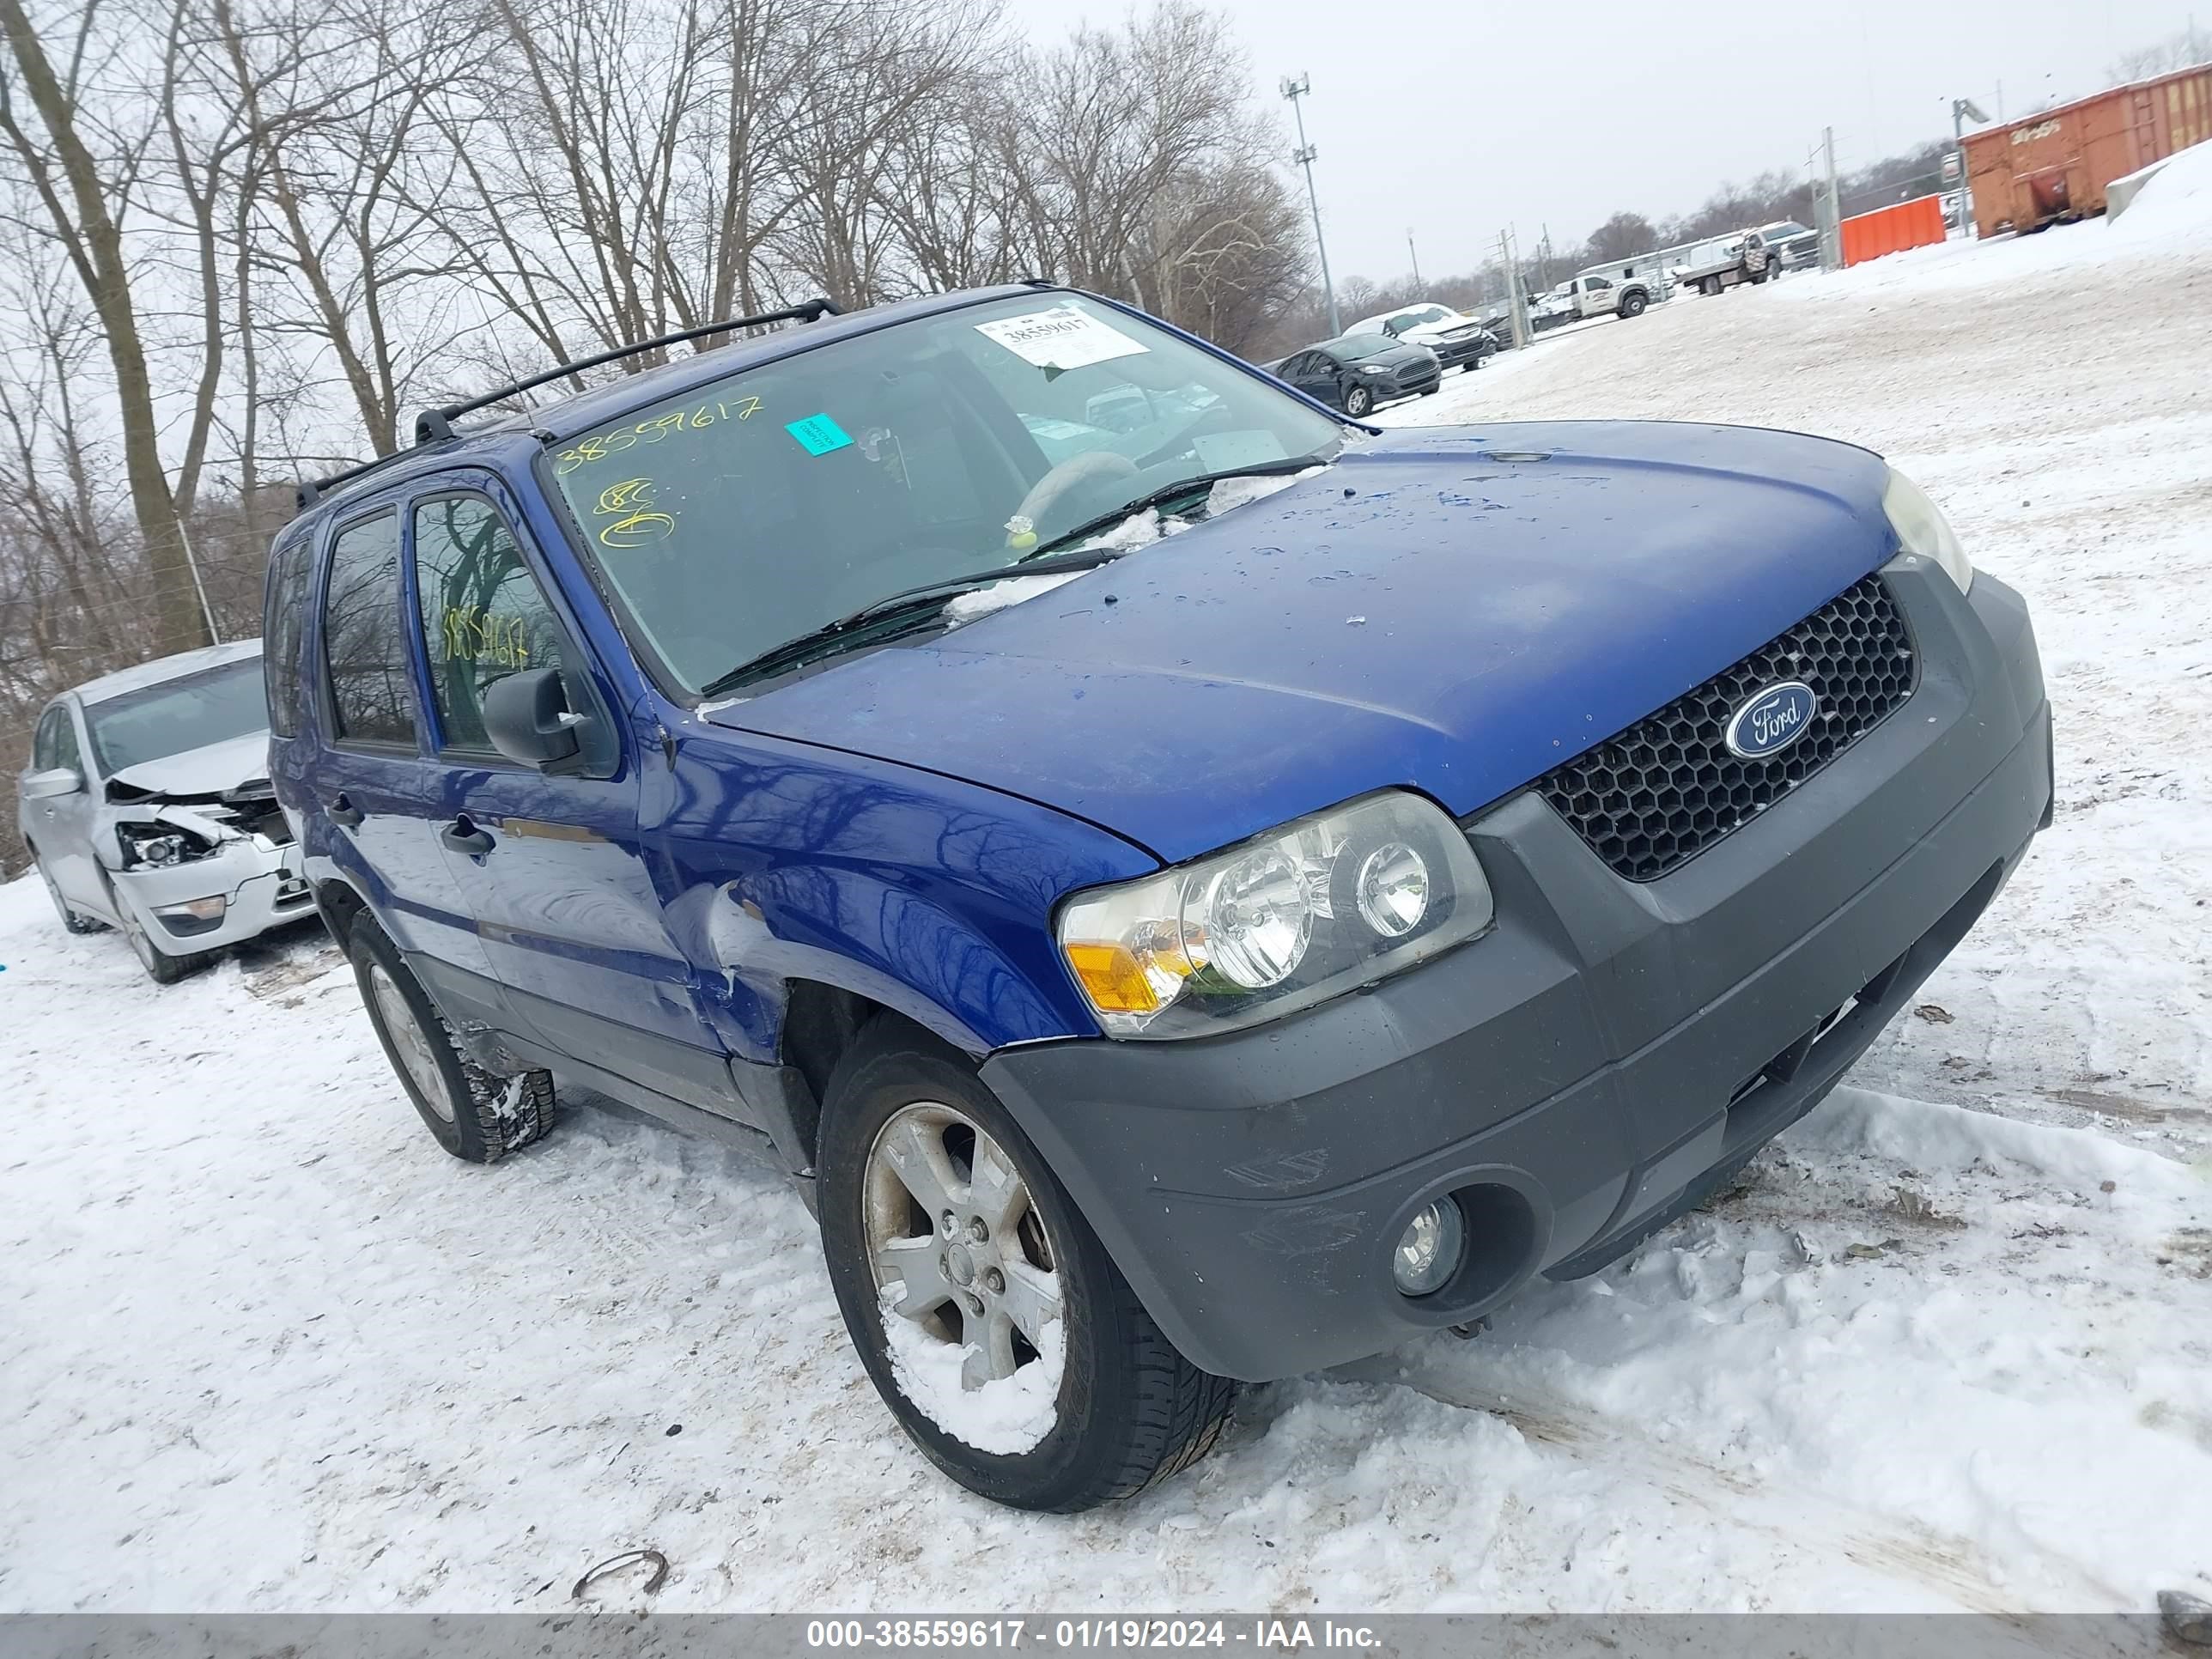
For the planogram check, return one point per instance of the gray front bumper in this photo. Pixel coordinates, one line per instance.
(1582, 1072)
(260, 881)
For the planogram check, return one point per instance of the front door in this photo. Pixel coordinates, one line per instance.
(571, 918)
(61, 825)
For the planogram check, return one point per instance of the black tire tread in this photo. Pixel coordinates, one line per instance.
(73, 922)
(498, 1128)
(497, 1134)
(1181, 1410)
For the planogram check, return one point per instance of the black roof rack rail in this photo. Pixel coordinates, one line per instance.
(435, 425)
(311, 489)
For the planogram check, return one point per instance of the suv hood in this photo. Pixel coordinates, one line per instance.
(1456, 610)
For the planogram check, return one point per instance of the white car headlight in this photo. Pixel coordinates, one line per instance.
(1373, 369)
(1278, 923)
(1922, 528)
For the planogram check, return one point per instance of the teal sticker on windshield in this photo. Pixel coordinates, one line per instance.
(819, 434)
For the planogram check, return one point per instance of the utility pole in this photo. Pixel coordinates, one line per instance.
(1831, 233)
(1414, 257)
(1295, 88)
(1516, 306)
(199, 587)
(1963, 110)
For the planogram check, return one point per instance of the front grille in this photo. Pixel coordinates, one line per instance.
(1652, 797)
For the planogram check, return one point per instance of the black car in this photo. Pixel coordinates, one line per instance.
(1359, 371)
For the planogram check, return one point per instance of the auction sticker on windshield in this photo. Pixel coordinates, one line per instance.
(1061, 337)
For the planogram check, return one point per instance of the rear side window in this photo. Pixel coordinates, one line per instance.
(364, 638)
(483, 615)
(282, 613)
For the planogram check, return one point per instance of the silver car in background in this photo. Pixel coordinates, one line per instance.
(148, 807)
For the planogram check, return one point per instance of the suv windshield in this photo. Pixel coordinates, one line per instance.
(760, 509)
(190, 712)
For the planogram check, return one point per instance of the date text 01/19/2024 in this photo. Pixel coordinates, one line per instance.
(1272, 1635)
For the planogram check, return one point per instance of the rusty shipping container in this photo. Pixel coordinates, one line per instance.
(2054, 165)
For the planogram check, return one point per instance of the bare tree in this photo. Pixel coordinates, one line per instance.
(1623, 236)
(347, 197)
(80, 176)
(2183, 49)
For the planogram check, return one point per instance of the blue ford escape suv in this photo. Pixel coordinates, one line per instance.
(1191, 889)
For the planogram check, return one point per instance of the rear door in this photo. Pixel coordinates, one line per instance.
(571, 917)
(371, 778)
(1315, 374)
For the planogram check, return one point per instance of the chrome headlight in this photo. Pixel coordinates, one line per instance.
(158, 845)
(1278, 923)
(1922, 528)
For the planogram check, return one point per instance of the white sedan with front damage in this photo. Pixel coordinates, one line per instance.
(148, 807)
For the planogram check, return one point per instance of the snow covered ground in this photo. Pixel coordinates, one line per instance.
(263, 1345)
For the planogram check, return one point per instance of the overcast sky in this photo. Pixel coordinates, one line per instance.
(1456, 119)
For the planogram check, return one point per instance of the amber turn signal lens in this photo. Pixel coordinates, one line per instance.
(1111, 978)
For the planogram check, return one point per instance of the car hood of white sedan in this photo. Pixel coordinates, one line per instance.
(209, 770)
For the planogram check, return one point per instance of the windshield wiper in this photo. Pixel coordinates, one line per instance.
(907, 605)
(911, 604)
(1170, 492)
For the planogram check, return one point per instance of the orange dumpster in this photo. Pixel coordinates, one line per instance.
(2054, 165)
(1891, 230)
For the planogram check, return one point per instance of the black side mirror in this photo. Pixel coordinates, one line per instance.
(527, 718)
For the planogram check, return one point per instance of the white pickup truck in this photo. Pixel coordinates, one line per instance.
(1592, 294)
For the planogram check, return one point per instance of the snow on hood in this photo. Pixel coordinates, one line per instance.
(204, 771)
(1138, 529)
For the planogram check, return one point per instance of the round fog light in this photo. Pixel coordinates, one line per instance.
(1430, 1250)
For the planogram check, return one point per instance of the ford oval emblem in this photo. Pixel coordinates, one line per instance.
(1771, 721)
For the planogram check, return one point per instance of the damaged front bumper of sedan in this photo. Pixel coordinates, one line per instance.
(209, 870)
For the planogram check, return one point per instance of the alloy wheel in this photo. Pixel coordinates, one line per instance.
(412, 1043)
(950, 1222)
(135, 932)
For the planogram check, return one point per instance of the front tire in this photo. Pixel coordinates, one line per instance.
(1632, 306)
(477, 1114)
(1358, 401)
(961, 1265)
(72, 921)
(160, 967)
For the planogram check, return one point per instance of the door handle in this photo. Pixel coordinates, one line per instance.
(463, 836)
(345, 814)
